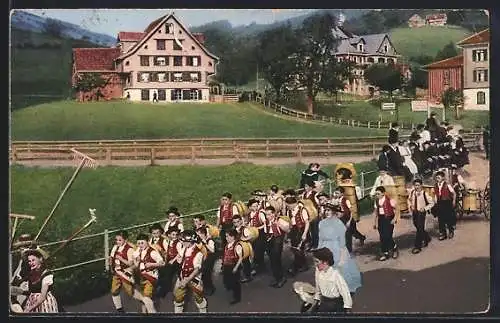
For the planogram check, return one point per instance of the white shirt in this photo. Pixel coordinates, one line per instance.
(169, 224)
(420, 201)
(381, 181)
(115, 249)
(156, 257)
(424, 137)
(48, 280)
(331, 284)
(210, 245)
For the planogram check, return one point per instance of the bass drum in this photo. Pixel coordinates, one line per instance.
(203, 250)
(276, 203)
(471, 202)
(311, 208)
(213, 231)
(284, 223)
(345, 171)
(242, 208)
(253, 233)
(247, 249)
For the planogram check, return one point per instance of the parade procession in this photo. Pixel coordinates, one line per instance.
(317, 222)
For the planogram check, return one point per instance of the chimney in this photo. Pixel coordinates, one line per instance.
(200, 37)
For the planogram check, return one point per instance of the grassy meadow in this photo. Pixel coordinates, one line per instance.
(69, 120)
(126, 196)
(426, 40)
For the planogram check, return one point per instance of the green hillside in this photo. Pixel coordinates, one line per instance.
(69, 120)
(427, 40)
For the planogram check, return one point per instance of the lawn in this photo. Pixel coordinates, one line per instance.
(427, 40)
(128, 196)
(69, 120)
(366, 111)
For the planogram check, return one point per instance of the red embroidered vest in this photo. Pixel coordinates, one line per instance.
(147, 258)
(159, 244)
(226, 214)
(172, 249)
(275, 227)
(255, 220)
(123, 254)
(188, 262)
(445, 192)
(299, 221)
(345, 208)
(388, 210)
(230, 257)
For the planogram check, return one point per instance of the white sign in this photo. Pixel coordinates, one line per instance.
(420, 105)
(388, 106)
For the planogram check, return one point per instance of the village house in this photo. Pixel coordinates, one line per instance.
(416, 21)
(438, 19)
(366, 50)
(476, 67)
(166, 63)
(468, 72)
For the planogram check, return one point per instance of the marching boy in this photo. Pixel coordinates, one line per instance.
(172, 265)
(231, 265)
(191, 260)
(208, 265)
(160, 244)
(148, 260)
(385, 215)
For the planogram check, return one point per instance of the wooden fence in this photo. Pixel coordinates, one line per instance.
(242, 149)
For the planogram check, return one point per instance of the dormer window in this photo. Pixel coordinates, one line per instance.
(169, 28)
(386, 48)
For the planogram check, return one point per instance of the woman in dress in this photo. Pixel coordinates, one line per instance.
(332, 236)
(40, 281)
(406, 154)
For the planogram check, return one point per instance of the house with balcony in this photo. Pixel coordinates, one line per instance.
(438, 19)
(165, 62)
(476, 67)
(365, 50)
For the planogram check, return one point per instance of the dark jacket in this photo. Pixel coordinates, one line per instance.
(393, 136)
(396, 167)
(311, 175)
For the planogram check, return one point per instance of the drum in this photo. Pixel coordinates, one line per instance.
(276, 203)
(345, 171)
(253, 233)
(470, 202)
(392, 191)
(247, 249)
(400, 183)
(242, 208)
(213, 231)
(429, 190)
(311, 208)
(203, 250)
(284, 223)
(350, 194)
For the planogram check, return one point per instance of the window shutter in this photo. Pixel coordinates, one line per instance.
(474, 76)
(485, 53)
(474, 56)
(485, 75)
(138, 77)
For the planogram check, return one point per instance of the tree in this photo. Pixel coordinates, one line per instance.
(453, 98)
(455, 17)
(274, 49)
(384, 76)
(88, 82)
(336, 76)
(316, 45)
(53, 27)
(449, 50)
(374, 22)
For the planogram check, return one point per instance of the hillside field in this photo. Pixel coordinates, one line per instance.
(129, 196)
(427, 40)
(69, 120)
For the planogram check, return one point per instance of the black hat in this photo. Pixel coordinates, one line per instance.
(173, 210)
(189, 236)
(333, 207)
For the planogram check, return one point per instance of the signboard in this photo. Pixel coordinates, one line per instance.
(388, 106)
(419, 105)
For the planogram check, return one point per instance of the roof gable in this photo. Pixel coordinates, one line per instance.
(478, 38)
(455, 61)
(95, 59)
(153, 27)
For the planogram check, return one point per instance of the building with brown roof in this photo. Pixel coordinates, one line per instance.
(442, 75)
(166, 62)
(438, 19)
(416, 21)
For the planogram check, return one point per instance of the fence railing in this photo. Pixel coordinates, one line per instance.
(340, 121)
(242, 149)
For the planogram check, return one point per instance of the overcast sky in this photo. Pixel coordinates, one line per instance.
(111, 21)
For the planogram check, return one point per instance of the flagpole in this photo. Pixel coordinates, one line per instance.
(71, 180)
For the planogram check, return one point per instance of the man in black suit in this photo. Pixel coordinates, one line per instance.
(394, 133)
(396, 167)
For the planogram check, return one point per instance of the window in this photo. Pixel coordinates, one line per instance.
(360, 47)
(381, 60)
(481, 97)
(169, 28)
(143, 77)
(370, 60)
(160, 44)
(446, 77)
(144, 60)
(145, 95)
(386, 48)
(194, 77)
(193, 48)
(177, 46)
(162, 95)
(162, 77)
(176, 95)
(195, 95)
(193, 60)
(160, 60)
(186, 94)
(480, 76)
(479, 55)
(177, 77)
(177, 60)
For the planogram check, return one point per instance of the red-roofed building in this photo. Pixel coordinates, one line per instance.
(166, 62)
(468, 72)
(438, 19)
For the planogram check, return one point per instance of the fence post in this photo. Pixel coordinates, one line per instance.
(106, 250)
(153, 156)
(379, 124)
(108, 155)
(340, 121)
(368, 124)
(267, 148)
(363, 183)
(299, 151)
(373, 150)
(193, 155)
(14, 153)
(331, 119)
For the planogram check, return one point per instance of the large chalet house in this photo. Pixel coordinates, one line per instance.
(468, 72)
(166, 62)
(365, 50)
